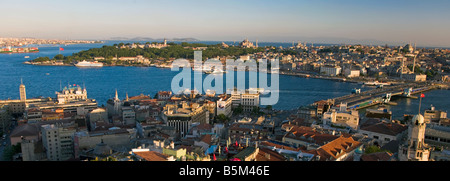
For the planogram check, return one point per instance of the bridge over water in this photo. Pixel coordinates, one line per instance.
(382, 95)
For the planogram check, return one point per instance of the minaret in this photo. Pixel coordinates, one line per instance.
(165, 42)
(23, 94)
(414, 148)
(117, 104)
(117, 96)
(414, 62)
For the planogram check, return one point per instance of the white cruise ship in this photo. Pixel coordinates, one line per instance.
(85, 63)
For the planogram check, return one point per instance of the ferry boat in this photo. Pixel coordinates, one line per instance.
(376, 83)
(380, 112)
(216, 71)
(85, 63)
(9, 50)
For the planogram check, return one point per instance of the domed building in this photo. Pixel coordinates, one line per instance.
(414, 148)
(102, 150)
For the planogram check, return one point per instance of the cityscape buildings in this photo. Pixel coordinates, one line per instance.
(197, 127)
(352, 124)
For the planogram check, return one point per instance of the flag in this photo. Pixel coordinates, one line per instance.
(61, 49)
(422, 95)
(214, 157)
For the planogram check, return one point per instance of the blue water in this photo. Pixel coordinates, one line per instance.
(101, 83)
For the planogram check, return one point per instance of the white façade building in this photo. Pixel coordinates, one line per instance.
(71, 94)
(331, 70)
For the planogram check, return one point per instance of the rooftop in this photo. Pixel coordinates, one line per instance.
(338, 147)
(310, 135)
(387, 128)
(151, 156)
(379, 156)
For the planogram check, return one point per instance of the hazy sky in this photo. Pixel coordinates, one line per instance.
(425, 22)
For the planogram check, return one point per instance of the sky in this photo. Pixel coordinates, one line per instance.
(426, 23)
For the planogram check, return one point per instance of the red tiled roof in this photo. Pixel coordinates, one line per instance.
(337, 148)
(204, 126)
(265, 154)
(151, 156)
(206, 138)
(310, 135)
(379, 156)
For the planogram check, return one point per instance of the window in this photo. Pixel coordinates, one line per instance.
(376, 137)
(387, 139)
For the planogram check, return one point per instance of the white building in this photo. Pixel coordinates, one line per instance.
(341, 117)
(414, 148)
(58, 141)
(128, 115)
(415, 77)
(71, 94)
(331, 70)
(224, 106)
(351, 73)
(248, 101)
(164, 95)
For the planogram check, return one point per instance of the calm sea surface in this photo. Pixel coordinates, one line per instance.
(102, 82)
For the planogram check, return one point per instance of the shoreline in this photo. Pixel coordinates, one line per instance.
(296, 74)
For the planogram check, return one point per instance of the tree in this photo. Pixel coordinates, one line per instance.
(10, 151)
(256, 110)
(222, 118)
(59, 57)
(374, 149)
(238, 110)
(41, 59)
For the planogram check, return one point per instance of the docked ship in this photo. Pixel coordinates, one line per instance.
(85, 63)
(380, 112)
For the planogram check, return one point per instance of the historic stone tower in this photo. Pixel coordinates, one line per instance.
(23, 94)
(414, 148)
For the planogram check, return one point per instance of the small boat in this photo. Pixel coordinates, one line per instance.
(27, 57)
(356, 91)
(217, 71)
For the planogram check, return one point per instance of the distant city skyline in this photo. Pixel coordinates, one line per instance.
(425, 23)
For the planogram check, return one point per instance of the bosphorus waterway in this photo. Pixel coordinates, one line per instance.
(101, 83)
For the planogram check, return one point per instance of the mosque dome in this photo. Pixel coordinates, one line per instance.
(102, 149)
